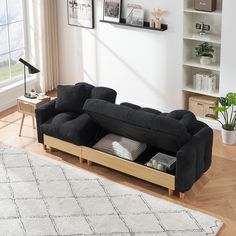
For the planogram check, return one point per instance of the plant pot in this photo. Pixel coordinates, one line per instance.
(204, 60)
(228, 137)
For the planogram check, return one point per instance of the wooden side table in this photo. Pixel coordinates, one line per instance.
(27, 106)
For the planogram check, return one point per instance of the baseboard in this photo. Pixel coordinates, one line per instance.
(7, 105)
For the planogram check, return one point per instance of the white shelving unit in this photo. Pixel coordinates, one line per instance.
(195, 63)
(218, 12)
(191, 39)
(191, 90)
(215, 39)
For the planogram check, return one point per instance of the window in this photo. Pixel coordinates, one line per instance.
(12, 43)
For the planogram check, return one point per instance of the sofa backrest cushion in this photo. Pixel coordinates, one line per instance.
(104, 93)
(136, 107)
(71, 98)
(160, 131)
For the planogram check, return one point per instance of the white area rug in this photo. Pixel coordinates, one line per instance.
(40, 196)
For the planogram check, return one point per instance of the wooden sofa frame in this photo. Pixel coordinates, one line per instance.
(113, 162)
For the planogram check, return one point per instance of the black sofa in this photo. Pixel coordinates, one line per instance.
(177, 133)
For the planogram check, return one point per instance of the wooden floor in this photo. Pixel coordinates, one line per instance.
(214, 193)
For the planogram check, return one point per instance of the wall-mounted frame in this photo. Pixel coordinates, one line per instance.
(81, 13)
(112, 10)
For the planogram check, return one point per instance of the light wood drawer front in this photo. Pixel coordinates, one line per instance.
(201, 105)
(26, 108)
(130, 168)
(200, 109)
(208, 110)
(197, 108)
(113, 162)
(62, 145)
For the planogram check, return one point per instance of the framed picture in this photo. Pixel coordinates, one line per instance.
(81, 13)
(134, 15)
(112, 10)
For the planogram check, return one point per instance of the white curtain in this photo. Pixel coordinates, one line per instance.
(43, 41)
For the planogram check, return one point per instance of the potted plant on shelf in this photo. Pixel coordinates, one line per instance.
(228, 122)
(205, 52)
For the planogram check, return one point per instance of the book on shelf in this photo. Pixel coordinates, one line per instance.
(205, 82)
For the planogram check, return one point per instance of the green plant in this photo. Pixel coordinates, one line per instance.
(227, 109)
(204, 49)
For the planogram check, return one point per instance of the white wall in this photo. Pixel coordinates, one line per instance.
(144, 67)
(9, 94)
(228, 58)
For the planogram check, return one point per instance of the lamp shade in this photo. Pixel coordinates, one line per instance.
(32, 69)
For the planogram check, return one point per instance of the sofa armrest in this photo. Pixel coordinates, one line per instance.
(193, 159)
(43, 114)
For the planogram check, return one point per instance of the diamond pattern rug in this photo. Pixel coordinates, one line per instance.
(44, 197)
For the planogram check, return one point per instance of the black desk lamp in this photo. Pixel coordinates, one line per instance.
(32, 70)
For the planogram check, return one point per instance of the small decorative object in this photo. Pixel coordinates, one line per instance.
(205, 5)
(81, 13)
(149, 164)
(33, 93)
(157, 14)
(152, 23)
(135, 15)
(227, 109)
(162, 162)
(41, 96)
(205, 52)
(112, 10)
(154, 164)
(203, 27)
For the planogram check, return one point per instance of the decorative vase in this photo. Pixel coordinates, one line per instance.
(158, 24)
(228, 137)
(152, 24)
(204, 60)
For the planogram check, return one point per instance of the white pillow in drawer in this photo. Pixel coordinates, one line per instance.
(120, 146)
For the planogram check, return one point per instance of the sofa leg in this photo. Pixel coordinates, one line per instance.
(170, 192)
(181, 195)
(45, 147)
(90, 163)
(50, 149)
(81, 160)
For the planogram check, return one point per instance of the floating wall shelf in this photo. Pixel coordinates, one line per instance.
(146, 25)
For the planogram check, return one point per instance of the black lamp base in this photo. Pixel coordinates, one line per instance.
(28, 95)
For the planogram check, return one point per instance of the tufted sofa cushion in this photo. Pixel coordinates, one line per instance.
(71, 98)
(166, 131)
(136, 107)
(68, 126)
